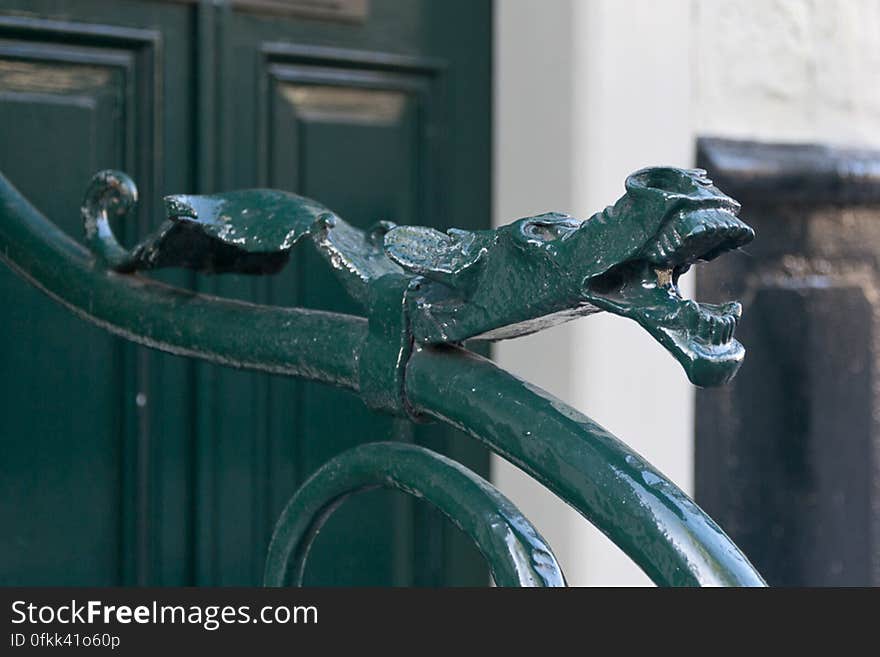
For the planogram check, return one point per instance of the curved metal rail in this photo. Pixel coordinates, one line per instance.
(644, 513)
(315, 345)
(516, 553)
(637, 507)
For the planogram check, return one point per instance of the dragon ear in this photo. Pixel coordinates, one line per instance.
(447, 258)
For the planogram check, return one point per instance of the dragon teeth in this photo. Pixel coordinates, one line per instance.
(716, 326)
(689, 235)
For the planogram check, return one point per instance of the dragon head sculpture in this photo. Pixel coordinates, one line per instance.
(484, 284)
(688, 220)
(627, 260)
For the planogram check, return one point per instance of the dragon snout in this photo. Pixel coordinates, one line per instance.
(699, 335)
(697, 235)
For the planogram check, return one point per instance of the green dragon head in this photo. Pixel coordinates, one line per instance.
(485, 284)
(627, 259)
(688, 220)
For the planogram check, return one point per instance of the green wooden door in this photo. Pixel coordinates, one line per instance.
(124, 466)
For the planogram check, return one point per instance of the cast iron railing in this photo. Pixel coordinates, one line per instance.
(424, 293)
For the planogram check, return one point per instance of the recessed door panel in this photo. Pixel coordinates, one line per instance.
(65, 470)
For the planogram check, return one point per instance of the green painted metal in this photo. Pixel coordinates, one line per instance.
(637, 507)
(315, 345)
(516, 552)
(645, 514)
(488, 284)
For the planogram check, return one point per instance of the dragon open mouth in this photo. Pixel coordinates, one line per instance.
(645, 288)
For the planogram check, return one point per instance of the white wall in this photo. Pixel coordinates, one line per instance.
(534, 160)
(623, 69)
(590, 90)
(793, 70)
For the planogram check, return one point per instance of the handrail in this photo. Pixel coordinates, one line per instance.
(637, 507)
(516, 553)
(654, 522)
(312, 344)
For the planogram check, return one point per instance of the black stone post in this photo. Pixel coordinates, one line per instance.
(788, 455)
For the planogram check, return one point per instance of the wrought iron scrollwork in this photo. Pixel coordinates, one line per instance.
(516, 552)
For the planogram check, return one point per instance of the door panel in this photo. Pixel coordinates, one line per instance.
(126, 466)
(365, 127)
(75, 98)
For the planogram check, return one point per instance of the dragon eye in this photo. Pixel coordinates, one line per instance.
(542, 231)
